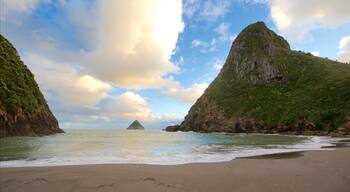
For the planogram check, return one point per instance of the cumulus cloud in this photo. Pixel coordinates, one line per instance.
(209, 10)
(298, 17)
(128, 105)
(136, 41)
(63, 84)
(344, 49)
(186, 95)
(83, 97)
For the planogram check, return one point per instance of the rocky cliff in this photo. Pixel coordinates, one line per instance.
(266, 87)
(23, 109)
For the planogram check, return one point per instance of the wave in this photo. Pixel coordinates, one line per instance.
(199, 154)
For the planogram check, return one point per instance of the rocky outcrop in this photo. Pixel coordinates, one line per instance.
(265, 87)
(136, 125)
(36, 124)
(249, 57)
(23, 109)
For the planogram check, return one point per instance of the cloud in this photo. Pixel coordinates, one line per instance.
(209, 10)
(298, 17)
(136, 42)
(344, 49)
(63, 84)
(315, 53)
(213, 45)
(9, 7)
(214, 9)
(128, 43)
(199, 43)
(186, 95)
(223, 30)
(128, 105)
(83, 97)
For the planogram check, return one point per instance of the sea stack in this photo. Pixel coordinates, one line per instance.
(23, 109)
(136, 125)
(265, 87)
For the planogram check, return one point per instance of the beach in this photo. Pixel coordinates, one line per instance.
(326, 170)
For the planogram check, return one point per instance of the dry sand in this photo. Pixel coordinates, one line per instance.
(319, 171)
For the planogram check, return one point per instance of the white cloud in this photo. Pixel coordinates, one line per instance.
(223, 30)
(136, 41)
(344, 49)
(209, 10)
(186, 95)
(214, 9)
(83, 97)
(315, 53)
(128, 105)
(63, 84)
(9, 7)
(298, 17)
(199, 43)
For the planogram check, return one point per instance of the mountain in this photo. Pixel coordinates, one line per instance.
(266, 87)
(23, 109)
(136, 125)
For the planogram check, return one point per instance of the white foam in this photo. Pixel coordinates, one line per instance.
(200, 154)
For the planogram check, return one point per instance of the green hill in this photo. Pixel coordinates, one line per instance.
(23, 108)
(265, 86)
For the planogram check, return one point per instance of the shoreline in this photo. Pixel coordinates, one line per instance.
(321, 143)
(324, 170)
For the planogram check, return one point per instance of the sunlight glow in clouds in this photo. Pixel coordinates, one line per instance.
(63, 84)
(129, 105)
(298, 17)
(136, 41)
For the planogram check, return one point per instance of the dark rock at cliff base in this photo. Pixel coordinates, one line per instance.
(23, 109)
(136, 125)
(173, 128)
(265, 87)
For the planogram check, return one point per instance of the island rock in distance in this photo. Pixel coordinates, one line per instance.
(136, 125)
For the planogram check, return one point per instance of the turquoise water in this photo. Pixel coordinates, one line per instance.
(149, 147)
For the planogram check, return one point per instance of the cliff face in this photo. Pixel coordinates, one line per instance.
(23, 109)
(266, 87)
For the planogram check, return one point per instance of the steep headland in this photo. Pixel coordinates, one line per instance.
(23, 109)
(266, 87)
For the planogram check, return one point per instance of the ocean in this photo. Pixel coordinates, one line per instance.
(76, 147)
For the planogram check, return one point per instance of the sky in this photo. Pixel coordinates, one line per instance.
(105, 63)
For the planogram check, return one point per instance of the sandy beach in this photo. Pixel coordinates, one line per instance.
(327, 171)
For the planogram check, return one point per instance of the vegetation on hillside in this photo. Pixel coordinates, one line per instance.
(18, 89)
(317, 90)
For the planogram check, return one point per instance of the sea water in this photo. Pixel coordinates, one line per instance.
(77, 147)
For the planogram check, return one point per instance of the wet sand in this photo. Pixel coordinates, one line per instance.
(327, 171)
